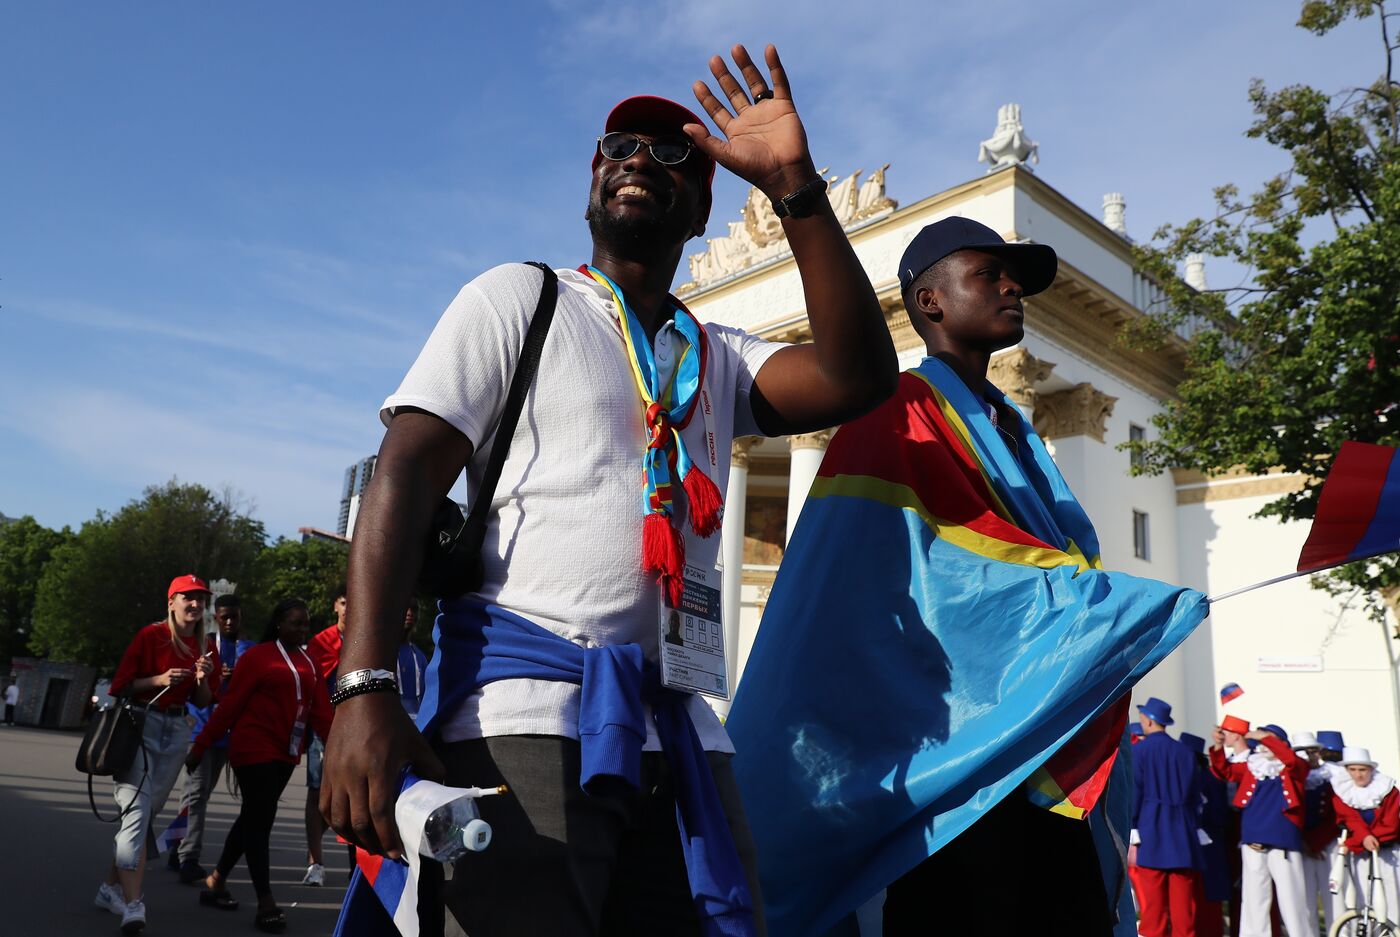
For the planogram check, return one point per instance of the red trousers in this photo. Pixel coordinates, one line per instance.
(1168, 901)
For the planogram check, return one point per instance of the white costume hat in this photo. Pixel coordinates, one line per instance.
(1302, 740)
(1356, 756)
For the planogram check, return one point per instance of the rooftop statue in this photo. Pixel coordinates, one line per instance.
(1009, 145)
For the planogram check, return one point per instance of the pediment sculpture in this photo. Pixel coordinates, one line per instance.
(759, 236)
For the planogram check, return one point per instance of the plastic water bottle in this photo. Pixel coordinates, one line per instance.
(456, 828)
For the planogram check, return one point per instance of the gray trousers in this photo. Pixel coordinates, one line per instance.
(569, 864)
(198, 787)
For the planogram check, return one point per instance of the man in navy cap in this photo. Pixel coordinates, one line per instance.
(584, 555)
(1166, 827)
(963, 289)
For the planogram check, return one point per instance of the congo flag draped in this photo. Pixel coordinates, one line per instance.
(940, 634)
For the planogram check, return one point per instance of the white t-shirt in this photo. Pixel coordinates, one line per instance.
(11, 695)
(563, 547)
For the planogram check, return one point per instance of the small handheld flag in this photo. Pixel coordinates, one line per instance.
(175, 832)
(1230, 691)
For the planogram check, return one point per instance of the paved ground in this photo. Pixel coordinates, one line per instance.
(56, 853)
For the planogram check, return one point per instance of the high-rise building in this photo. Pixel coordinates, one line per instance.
(357, 479)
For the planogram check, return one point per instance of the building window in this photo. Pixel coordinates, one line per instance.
(1141, 548)
(1136, 434)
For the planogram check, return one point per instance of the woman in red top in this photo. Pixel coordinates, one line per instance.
(163, 661)
(274, 695)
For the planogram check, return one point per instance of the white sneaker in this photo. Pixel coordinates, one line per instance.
(109, 898)
(134, 917)
(315, 875)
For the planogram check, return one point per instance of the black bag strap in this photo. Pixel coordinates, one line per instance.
(145, 773)
(473, 531)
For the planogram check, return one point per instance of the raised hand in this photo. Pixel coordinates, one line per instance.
(764, 142)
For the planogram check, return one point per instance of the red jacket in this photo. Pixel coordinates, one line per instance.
(1326, 827)
(1294, 776)
(1384, 827)
(151, 653)
(260, 707)
(324, 648)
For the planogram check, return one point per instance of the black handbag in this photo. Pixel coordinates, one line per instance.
(111, 741)
(452, 550)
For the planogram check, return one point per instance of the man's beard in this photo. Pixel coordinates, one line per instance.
(634, 236)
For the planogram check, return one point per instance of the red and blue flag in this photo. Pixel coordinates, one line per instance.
(1230, 691)
(1358, 512)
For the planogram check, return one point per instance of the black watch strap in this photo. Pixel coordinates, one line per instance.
(801, 202)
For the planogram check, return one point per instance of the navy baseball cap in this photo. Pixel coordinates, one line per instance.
(1035, 263)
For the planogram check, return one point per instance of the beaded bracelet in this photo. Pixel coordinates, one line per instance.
(359, 682)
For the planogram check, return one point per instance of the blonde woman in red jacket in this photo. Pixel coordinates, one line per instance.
(1368, 805)
(275, 697)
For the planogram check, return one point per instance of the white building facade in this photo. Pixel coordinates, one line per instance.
(1304, 661)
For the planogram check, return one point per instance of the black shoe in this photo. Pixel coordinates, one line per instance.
(191, 872)
(172, 861)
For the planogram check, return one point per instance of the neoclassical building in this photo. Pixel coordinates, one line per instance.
(1304, 660)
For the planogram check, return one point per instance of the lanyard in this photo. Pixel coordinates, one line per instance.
(295, 675)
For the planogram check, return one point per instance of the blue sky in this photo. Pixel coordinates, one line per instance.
(226, 229)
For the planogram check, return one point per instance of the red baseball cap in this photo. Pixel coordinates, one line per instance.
(647, 110)
(188, 584)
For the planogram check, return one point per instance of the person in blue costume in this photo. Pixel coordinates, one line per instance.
(1215, 820)
(1166, 827)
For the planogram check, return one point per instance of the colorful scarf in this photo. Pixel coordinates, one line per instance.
(667, 409)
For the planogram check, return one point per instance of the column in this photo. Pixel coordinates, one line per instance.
(807, 452)
(732, 549)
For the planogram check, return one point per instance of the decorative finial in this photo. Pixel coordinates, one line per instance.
(1114, 208)
(1009, 145)
(1196, 272)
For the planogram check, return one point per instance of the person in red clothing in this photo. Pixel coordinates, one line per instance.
(1271, 801)
(275, 694)
(324, 649)
(161, 669)
(1368, 805)
(1321, 830)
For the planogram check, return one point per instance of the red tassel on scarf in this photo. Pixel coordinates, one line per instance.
(705, 502)
(663, 551)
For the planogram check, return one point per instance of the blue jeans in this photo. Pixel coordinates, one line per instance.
(141, 790)
(315, 755)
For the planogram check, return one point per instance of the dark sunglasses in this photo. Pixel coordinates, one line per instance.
(620, 145)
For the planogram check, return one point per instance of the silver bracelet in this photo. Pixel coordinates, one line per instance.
(357, 682)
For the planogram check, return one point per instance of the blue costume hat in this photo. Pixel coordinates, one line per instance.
(1193, 742)
(1331, 740)
(1156, 710)
(1276, 730)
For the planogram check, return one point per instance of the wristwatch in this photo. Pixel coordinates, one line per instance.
(358, 682)
(801, 202)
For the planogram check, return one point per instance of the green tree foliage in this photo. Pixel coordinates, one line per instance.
(110, 579)
(312, 571)
(1305, 353)
(25, 548)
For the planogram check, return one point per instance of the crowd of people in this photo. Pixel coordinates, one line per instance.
(216, 700)
(1255, 825)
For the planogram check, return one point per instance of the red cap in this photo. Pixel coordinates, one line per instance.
(188, 584)
(647, 110)
(1234, 724)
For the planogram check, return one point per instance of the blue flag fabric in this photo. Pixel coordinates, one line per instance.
(938, 635)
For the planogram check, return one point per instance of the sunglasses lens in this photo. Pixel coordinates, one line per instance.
(618, 145)
(670, 152)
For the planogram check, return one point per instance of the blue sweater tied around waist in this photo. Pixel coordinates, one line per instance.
(477, 643)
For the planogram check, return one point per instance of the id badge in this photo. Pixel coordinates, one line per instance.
(691, 637)
(298, 733)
